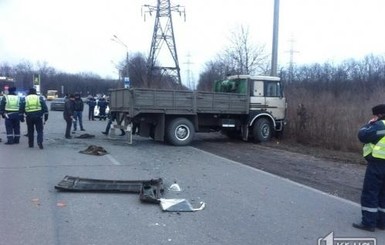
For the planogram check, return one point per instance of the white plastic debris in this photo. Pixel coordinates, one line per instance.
(179, 205)
(174, 187)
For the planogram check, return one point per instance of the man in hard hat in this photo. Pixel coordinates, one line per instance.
(373, 193)
(10, 111)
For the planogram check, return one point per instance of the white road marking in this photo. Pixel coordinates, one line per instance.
(113, 160)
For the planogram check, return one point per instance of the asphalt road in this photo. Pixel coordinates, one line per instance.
(244, 205)
(329, 171)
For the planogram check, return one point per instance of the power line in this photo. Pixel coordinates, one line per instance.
(190, 82)
(164, 34)
(292, 51)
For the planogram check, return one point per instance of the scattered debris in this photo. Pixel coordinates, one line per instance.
(150, 194)
(85, 136)
(150, 191)
(61, 204)
(36, 202)
(94, 150)
(174, 187)
(179, 205)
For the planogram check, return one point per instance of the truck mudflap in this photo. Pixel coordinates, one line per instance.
(149, 191)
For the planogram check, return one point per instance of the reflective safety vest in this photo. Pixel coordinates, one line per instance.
(13, 102)
(32, 103)
(368, 148)
(377, 150)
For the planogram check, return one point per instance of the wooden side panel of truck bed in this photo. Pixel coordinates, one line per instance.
(138, 101)
(221, 103)
(120, 100)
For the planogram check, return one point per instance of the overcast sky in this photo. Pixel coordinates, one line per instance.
(75, 35)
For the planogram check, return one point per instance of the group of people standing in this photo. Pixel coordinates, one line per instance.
(102, 104)
(13, 108)
(73, 112)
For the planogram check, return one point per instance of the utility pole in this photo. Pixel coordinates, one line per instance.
(164, 33)
(274, 56)
(125, 72)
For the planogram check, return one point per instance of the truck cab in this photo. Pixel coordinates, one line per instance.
(267, 105)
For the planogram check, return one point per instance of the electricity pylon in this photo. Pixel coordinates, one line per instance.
(292, 51)
(164, 33)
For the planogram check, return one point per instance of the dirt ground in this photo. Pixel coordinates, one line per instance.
(338, 173)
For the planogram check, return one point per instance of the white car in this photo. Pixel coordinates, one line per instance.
(96, 111)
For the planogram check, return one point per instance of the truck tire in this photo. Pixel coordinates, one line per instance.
(180, 132)
(262, 130)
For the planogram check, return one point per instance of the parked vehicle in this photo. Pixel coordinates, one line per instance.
(251, 107)
(57, 104)
(52, 94)
(96, 110)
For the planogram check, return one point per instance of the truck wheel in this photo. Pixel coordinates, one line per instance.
(180, 132)
(262, 130)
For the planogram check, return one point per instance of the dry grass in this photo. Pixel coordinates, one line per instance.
(331, 121)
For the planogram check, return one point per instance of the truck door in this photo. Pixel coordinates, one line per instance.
(257, 98)
(275, 101)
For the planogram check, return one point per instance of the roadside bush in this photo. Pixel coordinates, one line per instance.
(327, 112)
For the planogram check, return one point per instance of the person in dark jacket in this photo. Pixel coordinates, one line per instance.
(112, 117)
(91, 108)
(68, 114)
(78, 114)
(10, 110)
(372, 135)
(102, 103)
(35, 109)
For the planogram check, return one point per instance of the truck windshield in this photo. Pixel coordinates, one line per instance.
(231, 86)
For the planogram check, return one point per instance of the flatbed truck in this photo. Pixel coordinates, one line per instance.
(244, 106)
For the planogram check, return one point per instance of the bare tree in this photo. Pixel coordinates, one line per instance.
(6, 70)
(23, 74)
(242, 56)
(137, 70)
(214, 70)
